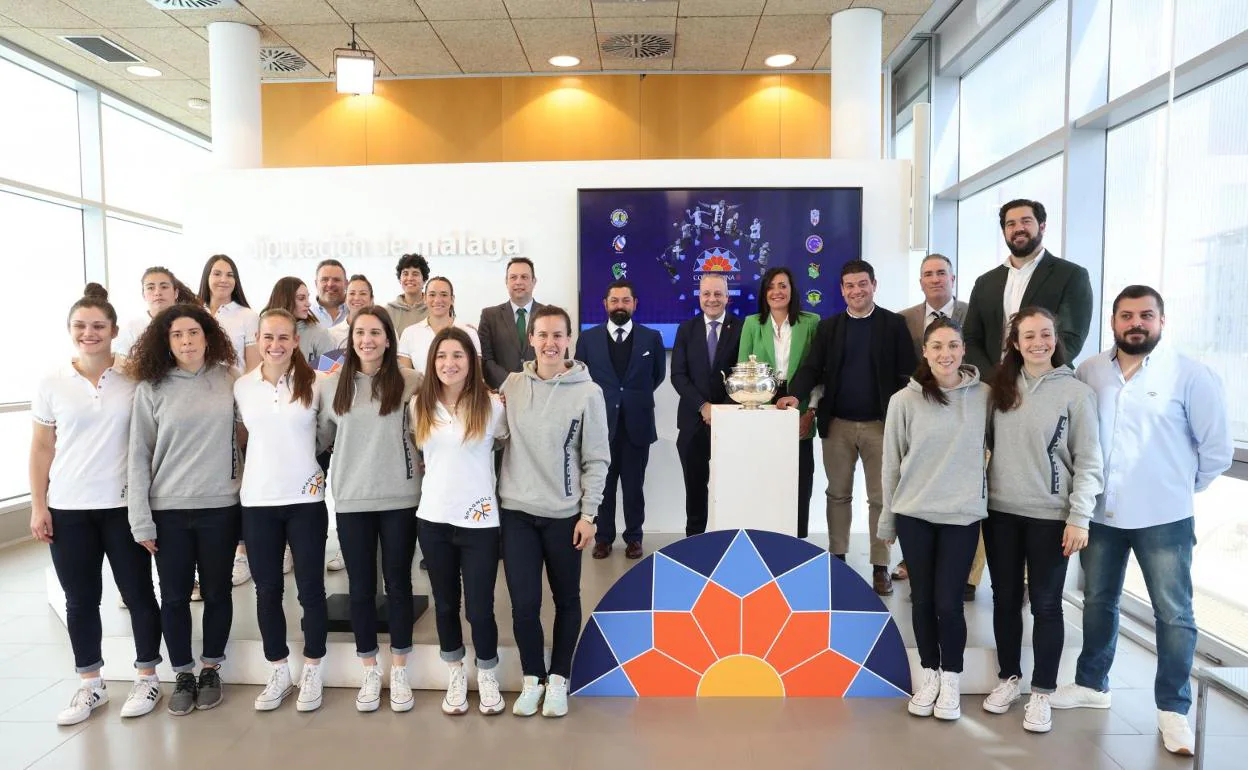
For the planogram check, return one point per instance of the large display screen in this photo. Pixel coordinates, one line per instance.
(664, 240)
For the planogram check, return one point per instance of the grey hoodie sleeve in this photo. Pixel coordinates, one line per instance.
(896, 443)
(139, 465)
(326, 419)
(595, 452)
(1088, 478)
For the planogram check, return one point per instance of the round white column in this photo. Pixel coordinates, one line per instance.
(234, 78)
(857, 99)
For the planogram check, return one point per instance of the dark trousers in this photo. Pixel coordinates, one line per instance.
(628, 467)
(694, 447)
(358, 535)
(1019, 546)
(80, 541)
(187, 540)
(805, 474)
(454, 554)
(939, 559)
(529, 544)
(267, 530)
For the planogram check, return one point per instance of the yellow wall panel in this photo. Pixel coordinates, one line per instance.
(570, 118)
(805, 106)
(711, 116)
(435, 121)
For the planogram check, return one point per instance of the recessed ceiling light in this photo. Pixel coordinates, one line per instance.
(143, 71)
(197, 104)
(780, 60)
(564, 61)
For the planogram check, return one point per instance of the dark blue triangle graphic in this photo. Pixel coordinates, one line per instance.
(781, 553)
(593, 656)
(701, 553)
(850, 593)
(632, 592)
(889, 660)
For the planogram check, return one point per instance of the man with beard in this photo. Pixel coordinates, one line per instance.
(1165, 435)
(626, 360)
(331, 293)
(1032, 275)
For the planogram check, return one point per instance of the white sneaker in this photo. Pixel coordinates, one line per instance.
(530, 696)
(288, 561)
(1004, 695)
(336, 564)
(87, 698)
(279, 686)
(1037, 716)
(310, 687)
(1176, 733)
(949, 702)
(556, 702)
(456, 700)
(400, 690)
(195, 594)
(143, 697)
(487, 691)
(924, 699)
(369, 697)
(242, 570)
(1074, 696)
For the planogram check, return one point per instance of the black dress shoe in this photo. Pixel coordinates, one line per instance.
(602, 550)
(633, 551)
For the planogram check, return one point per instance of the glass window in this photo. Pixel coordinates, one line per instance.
(42, 245)
(981, 246)
(145, 167)
(39, 139)
(1140, 33)
(903, 143)
(14, 455)
(1016, 95)
(132, 248)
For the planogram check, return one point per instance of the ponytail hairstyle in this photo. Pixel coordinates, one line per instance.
(301, 374)
(1005, 393)
(923, 374)
(94, 296)
(387, 382)
(151, 357)
(283, 296)
(205, 291)
(474, 399)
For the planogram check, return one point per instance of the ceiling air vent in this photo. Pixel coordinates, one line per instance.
(282, 60)
(192, 5)
(102, 48)
(636, 46)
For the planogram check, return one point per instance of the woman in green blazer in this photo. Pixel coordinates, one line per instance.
(781, 334)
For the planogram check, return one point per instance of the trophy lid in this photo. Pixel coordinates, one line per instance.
(753, 366)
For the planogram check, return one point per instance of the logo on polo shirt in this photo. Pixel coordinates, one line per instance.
(480, 510)
(314, 485)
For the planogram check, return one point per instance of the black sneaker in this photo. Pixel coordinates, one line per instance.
(184, 692)
(209, 688)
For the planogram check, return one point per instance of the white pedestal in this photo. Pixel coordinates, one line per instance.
(753, 469)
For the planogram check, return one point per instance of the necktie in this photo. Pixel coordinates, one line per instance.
(619, 335)
(712, 341)
(938, 314)
(521, 331)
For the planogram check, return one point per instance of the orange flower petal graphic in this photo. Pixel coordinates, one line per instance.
(677, 635)
(764, 616)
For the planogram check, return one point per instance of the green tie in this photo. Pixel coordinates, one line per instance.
(520, 328)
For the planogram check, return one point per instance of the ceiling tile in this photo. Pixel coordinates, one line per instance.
(896, 29)
(824, 62)
(317, 41)
(200, 20)
(43, 13)
(274, 12)
(483, 46)
(721, 7)
(653, 8)
(910, 7)
(409, 48)
(177, 91)
(452, 10)
(179, 46)
(783, 7)
(56, 53)
(545, 38)
(803, 36)
(707, 43)
(639, 25)
(662, 64)
(167, 68)
(113, 13)
(5, 21)
(136, 93)
(360, 11)
(548, 9)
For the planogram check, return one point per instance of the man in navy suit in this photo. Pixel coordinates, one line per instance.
(704, 352)
(626, 360)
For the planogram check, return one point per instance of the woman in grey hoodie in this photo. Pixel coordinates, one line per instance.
(1045, 474)
(554, 470)
(184, 472)
(934, 500)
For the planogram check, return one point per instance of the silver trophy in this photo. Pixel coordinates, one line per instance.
(751, 384)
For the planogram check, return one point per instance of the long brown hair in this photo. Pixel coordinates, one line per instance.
(923, 374)
(151, 357)
(301, 375)
(475, 397)
(205, 291)
(387, 382)
(283, 296)
(1005, 395)
(182, 292)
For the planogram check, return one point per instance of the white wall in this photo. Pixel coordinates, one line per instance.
(375, 213)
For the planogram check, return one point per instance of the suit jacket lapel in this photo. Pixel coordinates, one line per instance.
(634, 358)
(767, 344)
(1037, 279)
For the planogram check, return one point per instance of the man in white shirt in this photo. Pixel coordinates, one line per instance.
(331, 293)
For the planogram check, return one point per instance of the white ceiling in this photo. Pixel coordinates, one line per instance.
(433, 37)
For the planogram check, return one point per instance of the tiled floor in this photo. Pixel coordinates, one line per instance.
(36, 680)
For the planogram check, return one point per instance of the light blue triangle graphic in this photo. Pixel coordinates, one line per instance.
(613, 684)
(742, 570)
(806, 588)
(629, 633)
(853, 634)
(676, 587)
(868, 685)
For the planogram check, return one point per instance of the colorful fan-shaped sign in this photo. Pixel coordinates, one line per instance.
(741, 613)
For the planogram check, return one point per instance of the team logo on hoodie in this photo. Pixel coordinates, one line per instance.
(569, 441)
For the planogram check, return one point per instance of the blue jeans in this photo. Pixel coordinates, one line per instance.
(1164, 553)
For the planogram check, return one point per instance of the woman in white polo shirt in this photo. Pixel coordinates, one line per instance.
(455, 421)
(78, 505)
(283, 498)
(221, 291)
(418, 338)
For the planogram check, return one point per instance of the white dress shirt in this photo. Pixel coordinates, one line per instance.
(612, 328)
(782, 341)
(932, 312)
(1016, 285)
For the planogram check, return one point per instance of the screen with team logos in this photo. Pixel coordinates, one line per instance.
(663, 241)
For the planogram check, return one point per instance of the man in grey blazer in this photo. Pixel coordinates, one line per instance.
(504, 328)
(936, 279)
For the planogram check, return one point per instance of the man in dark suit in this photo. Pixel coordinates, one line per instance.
(936, 279)
(1032, 276)
(861, 357)
(704, 352)
(627, 361)
(504, 329)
